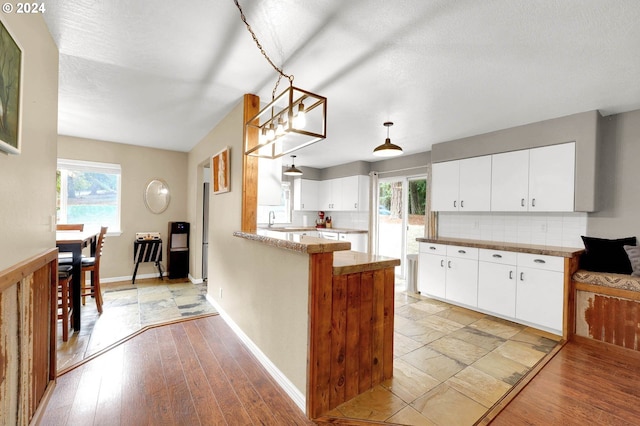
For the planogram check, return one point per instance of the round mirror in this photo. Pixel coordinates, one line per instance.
(157, 196)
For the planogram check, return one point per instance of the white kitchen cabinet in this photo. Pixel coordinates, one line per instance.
(552, 178)
(344, 194)
(540, 291)
(355, 193)
(510, 181)
(358, 240)
(539, 179)
(462, 275)
(497, 282)
(462, 185)
(305, 194)
(432, 270)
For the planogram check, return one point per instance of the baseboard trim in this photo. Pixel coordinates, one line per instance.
(286, 385)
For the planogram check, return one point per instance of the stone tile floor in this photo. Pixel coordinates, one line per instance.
(451, 365)
(127, 309)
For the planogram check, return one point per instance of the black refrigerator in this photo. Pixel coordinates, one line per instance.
(178, 247)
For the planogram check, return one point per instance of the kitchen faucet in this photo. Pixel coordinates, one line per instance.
(272, 218)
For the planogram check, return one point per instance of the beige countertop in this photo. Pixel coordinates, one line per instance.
(312, 228)
(516, 247)
(345, 261)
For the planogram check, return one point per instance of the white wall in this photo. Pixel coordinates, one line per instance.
(264, 290)
(27, 181)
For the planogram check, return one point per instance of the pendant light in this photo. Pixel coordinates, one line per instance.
(387, 149)
(293, 170)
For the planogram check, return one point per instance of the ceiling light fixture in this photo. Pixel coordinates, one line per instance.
(293, 170)
(294, 119)
(387, 149)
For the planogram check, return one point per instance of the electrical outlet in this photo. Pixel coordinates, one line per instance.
(220, 292)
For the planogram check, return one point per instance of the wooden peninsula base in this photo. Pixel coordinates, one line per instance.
(351, 308)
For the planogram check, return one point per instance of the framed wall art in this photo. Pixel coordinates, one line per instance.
(220, 169)
(10, 92)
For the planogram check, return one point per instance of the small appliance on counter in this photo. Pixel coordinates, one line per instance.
(320, 222)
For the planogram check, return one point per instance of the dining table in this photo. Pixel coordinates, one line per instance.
(74, 242)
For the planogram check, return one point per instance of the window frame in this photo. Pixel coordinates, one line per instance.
(65, 165)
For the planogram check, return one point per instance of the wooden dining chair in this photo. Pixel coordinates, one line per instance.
(92, 264)
(65, 307)
(70, 227)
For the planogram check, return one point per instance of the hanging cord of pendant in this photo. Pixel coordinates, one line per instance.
(255, 38)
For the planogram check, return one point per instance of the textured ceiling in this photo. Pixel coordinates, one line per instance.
(163, 73)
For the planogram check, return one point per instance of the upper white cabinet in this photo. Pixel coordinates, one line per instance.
(342, 194)
(305, 194)
(462, 185)
(552, 178)
(269, 182)
(538, 179)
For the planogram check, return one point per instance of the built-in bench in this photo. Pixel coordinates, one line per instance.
(607, 308)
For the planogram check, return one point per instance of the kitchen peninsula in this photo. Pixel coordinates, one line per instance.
(350, 316)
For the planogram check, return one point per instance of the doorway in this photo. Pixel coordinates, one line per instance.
(401, 217)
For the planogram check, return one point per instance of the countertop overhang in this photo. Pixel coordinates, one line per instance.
(568, 252)
(345, 261)
(312, 228)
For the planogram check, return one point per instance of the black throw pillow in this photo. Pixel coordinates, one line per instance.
(602, 255)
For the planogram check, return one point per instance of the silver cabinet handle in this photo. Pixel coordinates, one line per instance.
(455, 204)
(432, 248)
(497, 256)
(461, 204)
(461, 251)
(533, 202)
(521, 276)
(539, 261)
(449, 264)
(442, 263)
(355, 205)
(522, 202)
(510, 275)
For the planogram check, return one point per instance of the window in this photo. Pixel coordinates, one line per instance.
(89, 193)
(282, 212)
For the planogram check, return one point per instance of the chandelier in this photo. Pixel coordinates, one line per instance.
(294, 119)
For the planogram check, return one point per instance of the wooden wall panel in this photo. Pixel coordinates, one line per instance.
(27, 336)
(250, 168)
(351, 336)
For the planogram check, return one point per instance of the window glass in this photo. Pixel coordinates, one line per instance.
(89, 193)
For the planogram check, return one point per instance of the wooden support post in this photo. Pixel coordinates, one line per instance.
(250, 167)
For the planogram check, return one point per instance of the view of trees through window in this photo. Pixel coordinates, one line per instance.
(88, 197)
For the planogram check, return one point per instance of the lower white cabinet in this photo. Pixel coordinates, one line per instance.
(432, 270)
(462, 275)
(358, 240)
(522, 287)
(540, 290)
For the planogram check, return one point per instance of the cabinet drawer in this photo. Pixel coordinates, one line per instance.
(498, 256)
(433, 248)
(462, 252)
(538, 261)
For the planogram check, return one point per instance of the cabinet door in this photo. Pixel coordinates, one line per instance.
(269, 182)
(363, 193)
(349, 193)
(431, 275)
(475, 184)
(462, 281)
(539, 297)
(305, 194)
(325, 192)
(510, 181)
(358, 241)
(497, 288)
(552, 178)
(445, 185)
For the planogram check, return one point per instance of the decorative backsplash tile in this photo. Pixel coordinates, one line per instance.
(549, 229)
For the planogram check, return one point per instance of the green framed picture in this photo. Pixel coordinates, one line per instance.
(10, 90)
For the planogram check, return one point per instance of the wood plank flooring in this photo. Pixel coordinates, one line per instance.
(189, 373)
(582, 385)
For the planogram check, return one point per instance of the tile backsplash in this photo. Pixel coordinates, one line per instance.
(349, 220)
(549, 229)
